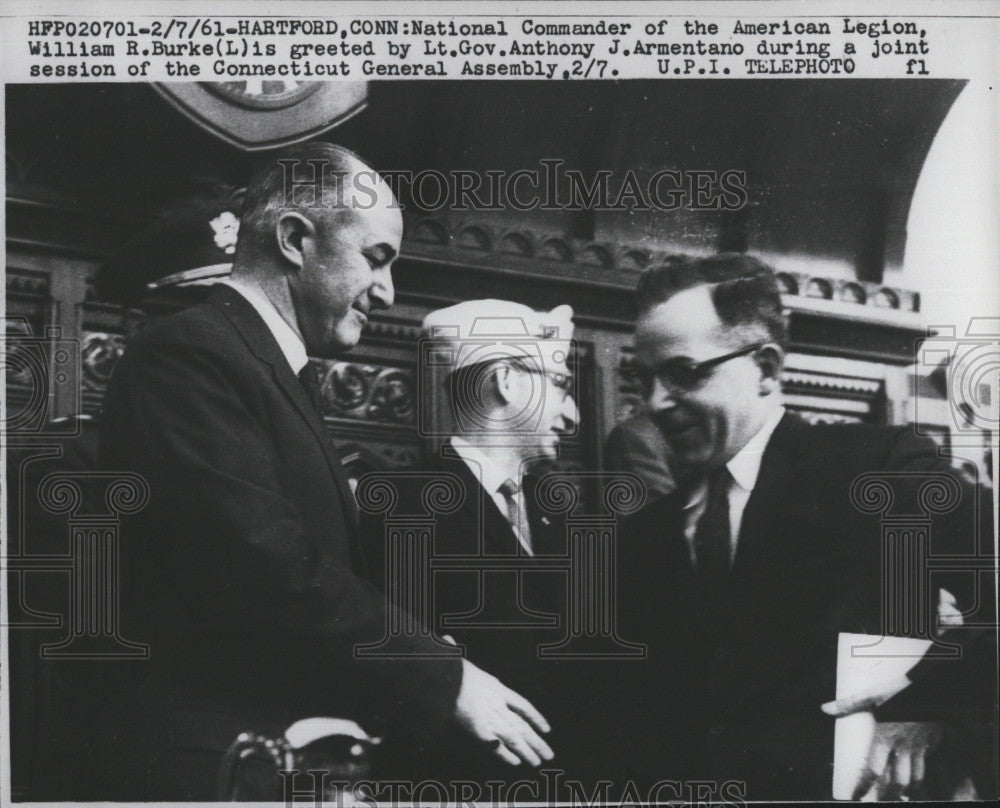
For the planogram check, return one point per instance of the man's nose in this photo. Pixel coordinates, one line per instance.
(382, 293)
(570, 414)
(660, 397)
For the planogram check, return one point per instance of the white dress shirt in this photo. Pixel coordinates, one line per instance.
(492, 475)
(290, 343)
(744, 469)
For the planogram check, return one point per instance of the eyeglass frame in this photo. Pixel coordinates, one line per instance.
(562, 381)
(696, 370)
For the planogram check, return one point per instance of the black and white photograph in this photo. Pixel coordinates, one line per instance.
(495, 404)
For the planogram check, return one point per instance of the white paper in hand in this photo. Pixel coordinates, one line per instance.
(864, 661)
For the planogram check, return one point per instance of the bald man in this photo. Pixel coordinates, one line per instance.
(245, 573)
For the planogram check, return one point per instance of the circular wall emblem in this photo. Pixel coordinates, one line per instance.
(260, 114)
(260, 94)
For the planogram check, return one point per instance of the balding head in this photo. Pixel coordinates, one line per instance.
(318, 234)
(322, 181)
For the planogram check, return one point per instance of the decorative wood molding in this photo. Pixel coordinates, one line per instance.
(824, 417)
(394, 453)
(449, 262)
(840, 384)
(367, 392)
(27, 283)
(815, 287)
(392, 331)
(99, 353)
(528, 244)
(441, 263)
(630, 260)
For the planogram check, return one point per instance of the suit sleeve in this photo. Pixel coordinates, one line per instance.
(182, 417)
(946, 686)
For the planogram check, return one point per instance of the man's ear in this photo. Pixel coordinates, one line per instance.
(291, 232)
(504, 380)
(770, 359)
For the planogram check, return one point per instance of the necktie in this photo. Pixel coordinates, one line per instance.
(309, 379)
(516, 515)
(713, 537)
(543, 540)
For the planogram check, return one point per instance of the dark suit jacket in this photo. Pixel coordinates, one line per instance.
(500, 617)
(738, 697)
(244, 572)
(636, 445)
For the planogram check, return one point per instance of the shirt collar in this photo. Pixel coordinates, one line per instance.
(490, 473)
(745, 466)
(290, 343)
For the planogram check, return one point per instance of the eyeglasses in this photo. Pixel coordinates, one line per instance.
(563, 382)
(682, 375)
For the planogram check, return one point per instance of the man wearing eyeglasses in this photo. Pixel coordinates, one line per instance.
(741, 581)
(497, 374)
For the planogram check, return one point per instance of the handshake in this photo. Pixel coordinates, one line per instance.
(501, 718)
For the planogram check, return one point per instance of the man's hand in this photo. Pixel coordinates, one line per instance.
(867, 700)
(498, 716)
(949, 616)
(897, 760)
(897, 756)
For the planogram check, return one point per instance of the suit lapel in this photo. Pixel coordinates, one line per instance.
(496, 536)
(548, 534)
(761, 524)
(657, 589)
(293, 389)
(264, 346)
(673, 550)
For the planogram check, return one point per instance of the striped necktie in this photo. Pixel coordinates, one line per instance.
(516, 515)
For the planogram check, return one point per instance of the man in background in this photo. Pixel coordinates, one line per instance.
(499, 379)
(245, 572)
(636, 445)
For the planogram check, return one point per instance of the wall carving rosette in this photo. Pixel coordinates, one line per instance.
(367, 392)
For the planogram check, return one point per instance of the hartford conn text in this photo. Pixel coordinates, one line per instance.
(212, 29)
